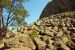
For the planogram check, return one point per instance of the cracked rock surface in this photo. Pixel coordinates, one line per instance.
(56, 32)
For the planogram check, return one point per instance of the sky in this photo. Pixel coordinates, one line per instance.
(34, 8)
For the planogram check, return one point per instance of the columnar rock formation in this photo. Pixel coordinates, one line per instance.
(58, 6)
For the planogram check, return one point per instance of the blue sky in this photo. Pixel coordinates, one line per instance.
(34, 8)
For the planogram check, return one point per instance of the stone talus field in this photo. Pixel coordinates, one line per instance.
(56, 32)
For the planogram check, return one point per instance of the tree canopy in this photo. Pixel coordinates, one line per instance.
(13, 12)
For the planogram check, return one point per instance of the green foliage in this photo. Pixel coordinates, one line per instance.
(21, 0)
(34, 34)
(0, 1)
(16, 12)
(7, 4)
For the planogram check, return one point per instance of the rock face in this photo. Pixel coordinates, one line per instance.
(22, 48)
(20, 41)
(56, 32)
(58, 6)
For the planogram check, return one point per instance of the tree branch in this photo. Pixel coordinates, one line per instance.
(9, 14)
(3, 21)
(9, 21)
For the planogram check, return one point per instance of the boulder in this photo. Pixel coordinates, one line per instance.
(21, 48)
(41, 44)
(21, 40)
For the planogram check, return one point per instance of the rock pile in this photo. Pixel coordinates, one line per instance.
(56, 32)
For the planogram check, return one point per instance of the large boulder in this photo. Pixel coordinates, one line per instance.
(20, 40)
(41, 44)
(22, 48)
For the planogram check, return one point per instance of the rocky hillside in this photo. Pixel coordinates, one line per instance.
(56, 32)
(58, 6)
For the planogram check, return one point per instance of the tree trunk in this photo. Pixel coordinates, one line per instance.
(1, 27)
(0, 15)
